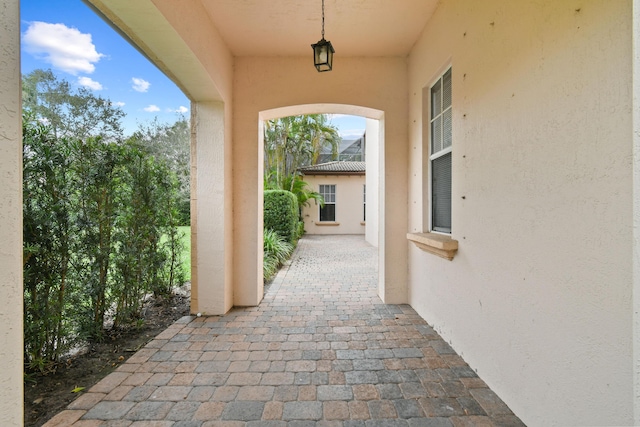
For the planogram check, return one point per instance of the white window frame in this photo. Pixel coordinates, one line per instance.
(433, 156)
(328, 203)
(364, 202)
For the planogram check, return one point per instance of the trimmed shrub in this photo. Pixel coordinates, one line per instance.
(281, 213)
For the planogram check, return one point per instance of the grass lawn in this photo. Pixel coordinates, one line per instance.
(186, 255)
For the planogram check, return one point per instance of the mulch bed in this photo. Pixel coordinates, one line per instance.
(47, 394)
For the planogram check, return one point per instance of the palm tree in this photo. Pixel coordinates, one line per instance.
(295, 141)
(322, 134)
(303, 192)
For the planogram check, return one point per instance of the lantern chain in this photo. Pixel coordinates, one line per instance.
(323, 19)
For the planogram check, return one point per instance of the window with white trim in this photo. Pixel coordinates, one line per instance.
(364, 202)
(328, 211)
(440, 137)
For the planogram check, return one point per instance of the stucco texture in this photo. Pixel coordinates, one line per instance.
(538, 298)
(373, 83)
(11, 378)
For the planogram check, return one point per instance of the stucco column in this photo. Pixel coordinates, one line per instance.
(636, 209)
(393, 214)
(11, 411)
(211, 201)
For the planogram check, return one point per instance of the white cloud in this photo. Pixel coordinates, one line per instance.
(181, 110)
(89, 83)
(119, 104)
(140, 85)
(151, 108)
(350, 133)
(65, 48)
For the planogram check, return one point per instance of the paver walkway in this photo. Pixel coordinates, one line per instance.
(320, 350)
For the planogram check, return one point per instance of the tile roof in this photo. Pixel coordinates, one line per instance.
(332, 168)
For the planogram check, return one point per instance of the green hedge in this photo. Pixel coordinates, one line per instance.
(99, 232)
(281, 213)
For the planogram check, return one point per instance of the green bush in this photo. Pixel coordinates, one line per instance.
(281, 213)
(99, 230)
(276, 252)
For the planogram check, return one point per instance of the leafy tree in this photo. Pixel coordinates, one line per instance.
(147, 262)
(171, 143)
(100, 174)
(49, 237)
(321, 134)
(70, 112)
(291, 142)
(100, 215)
(99, 234)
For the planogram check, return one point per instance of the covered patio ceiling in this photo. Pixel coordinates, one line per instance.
(288, 27)
(180, 36)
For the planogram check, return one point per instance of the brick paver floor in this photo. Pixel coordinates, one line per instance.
(320, 350)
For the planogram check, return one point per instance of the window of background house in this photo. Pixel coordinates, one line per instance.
(364, 202)
(328, 211)
(440, 154)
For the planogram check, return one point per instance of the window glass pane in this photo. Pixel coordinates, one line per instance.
(446, 128)
(364, 202)
(436, 99)
(331, 194)
(328, 213)
(441, 193)
(328, 192)
(446, 90)
(436, 135)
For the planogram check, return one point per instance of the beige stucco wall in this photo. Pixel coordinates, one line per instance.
(538, 298)
(11, 380)
(636, 206)
(372, 156)
(377, 83)
(211, 210)
(349, 205)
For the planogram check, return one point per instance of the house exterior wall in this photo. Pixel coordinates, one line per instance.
(374, 83)
(211, 215)
(349, 205)
(636, 206)
(372, 154)
(538, 297)
(11, 345)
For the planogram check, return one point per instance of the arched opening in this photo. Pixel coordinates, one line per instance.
(374, 228)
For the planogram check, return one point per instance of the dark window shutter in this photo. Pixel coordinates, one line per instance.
(328, 213)
(441, 193)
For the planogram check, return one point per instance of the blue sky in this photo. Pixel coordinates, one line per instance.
(67, 37)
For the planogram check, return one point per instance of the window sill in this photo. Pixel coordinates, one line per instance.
(327, 223)
(437, 244)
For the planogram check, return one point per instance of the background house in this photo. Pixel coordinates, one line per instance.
(343, 186)
(350, 150)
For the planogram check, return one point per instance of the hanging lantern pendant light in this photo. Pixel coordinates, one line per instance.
(323, 51)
